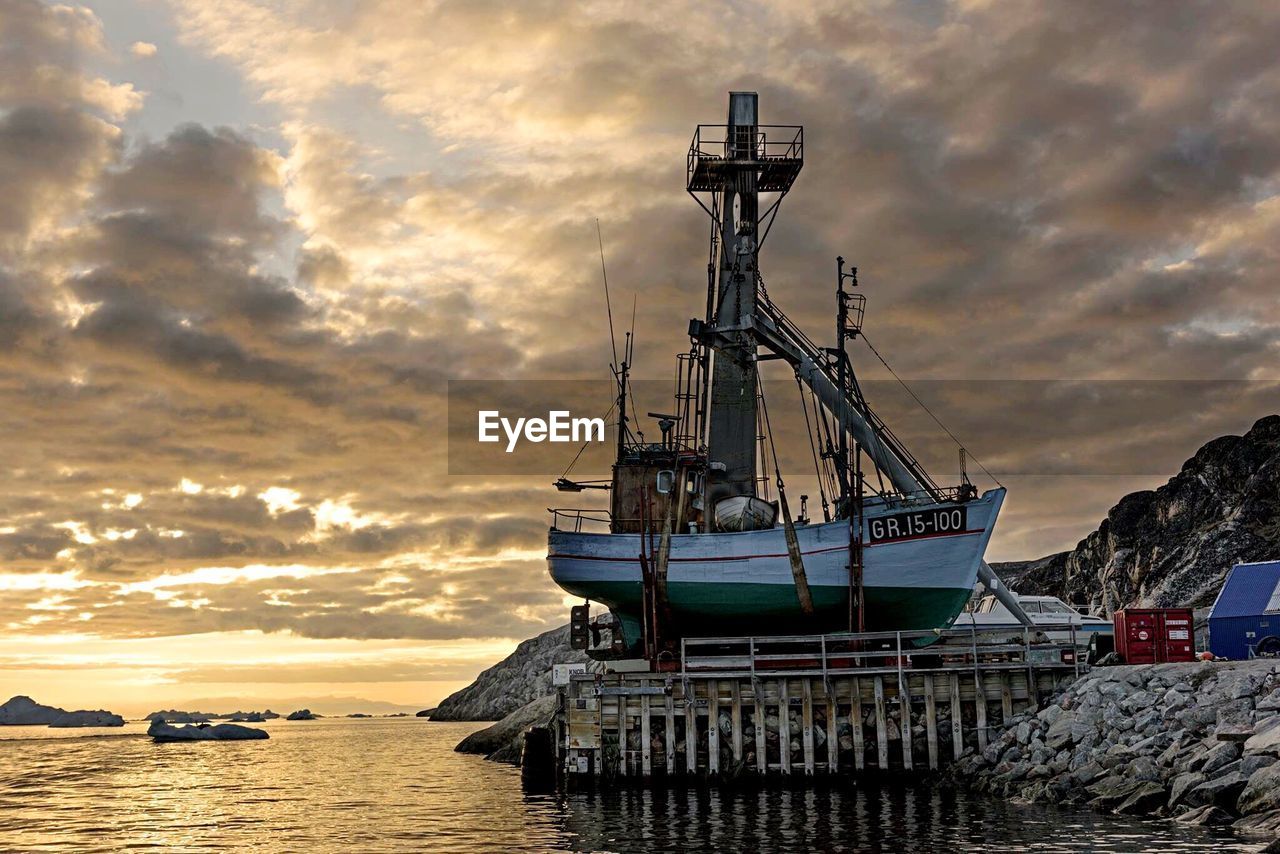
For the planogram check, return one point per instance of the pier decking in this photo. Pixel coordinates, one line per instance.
(804, 705)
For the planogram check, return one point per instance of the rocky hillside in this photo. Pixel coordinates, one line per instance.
(1173, 545)
(521, 677)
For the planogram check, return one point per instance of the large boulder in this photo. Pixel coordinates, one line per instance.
(1110, 792)
(1219, 757)
(1266, 737)
(1262, 793)
(503, 741)
(1221, 791)
(1145, 800)
(1209, 816)
(1182, 784)
(512, 683)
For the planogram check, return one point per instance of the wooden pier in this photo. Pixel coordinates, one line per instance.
(804, 705)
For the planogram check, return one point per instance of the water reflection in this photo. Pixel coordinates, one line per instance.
(849, 818)
(397, 785)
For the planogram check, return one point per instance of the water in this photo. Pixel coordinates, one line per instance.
(396, 785)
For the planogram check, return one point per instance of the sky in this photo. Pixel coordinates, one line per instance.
(244, 247)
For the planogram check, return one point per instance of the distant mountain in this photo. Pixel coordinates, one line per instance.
(1173, 546)
(330, 706)
(521, 677)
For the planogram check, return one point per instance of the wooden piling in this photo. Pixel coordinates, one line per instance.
(904, 720)
(882, 726)
(931, 721)
(646, 752)
(621, 716)
(957, 735)
(735, 721)
(758, 715)
(855, 725)
(784, 727)
(606, 724)
(690, 730)
(980, 706)
(806, 726)
(833, 741)
(670, 767)
(713, 726)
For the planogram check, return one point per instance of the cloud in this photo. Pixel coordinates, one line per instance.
(143, 50)
(274, 308)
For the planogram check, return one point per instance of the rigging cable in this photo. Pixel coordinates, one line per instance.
(764, 409)
(817, 467)
(608, 304)
(574, 461)
(935, 418)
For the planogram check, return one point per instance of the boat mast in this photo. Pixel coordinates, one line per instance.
(734, 163)
(731, 436)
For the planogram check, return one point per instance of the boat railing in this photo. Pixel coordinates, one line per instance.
(943, 494)
(573, 519)
(878, 653)
(774, 152)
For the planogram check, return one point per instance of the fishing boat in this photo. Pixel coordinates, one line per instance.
(692, 544)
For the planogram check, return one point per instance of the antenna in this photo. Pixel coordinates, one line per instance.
(634, 297)
(608, 304)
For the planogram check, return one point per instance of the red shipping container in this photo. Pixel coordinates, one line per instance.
(1155, 635)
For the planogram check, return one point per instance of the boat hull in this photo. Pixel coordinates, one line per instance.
(741, 583)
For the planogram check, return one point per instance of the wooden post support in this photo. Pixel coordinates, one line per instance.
(646, 753)
(931, 721)
(713, 726)
(980, 701)
(623, 753)
(690, 728)
(904, 720)
(882, 727)
(1006, 700)
(833, 732)
(784, 727)
(957, 736)
(762, 745)
(671, 734)
(735, 719)
(855, 726)
(806, 725)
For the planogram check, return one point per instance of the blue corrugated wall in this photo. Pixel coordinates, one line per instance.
(1228, 635)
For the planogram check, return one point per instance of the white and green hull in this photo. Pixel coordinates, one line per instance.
(742, 583)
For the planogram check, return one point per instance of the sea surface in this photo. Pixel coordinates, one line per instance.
(395, 784)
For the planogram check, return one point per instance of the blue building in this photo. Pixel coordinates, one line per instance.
(1247, 611)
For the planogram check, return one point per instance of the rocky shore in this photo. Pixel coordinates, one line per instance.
(517, 680)
(1197, 742)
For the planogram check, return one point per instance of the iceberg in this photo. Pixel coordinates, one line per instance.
(175, 716)
(97, 717)
(161, 731)
(24, 711)
(301, 715)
